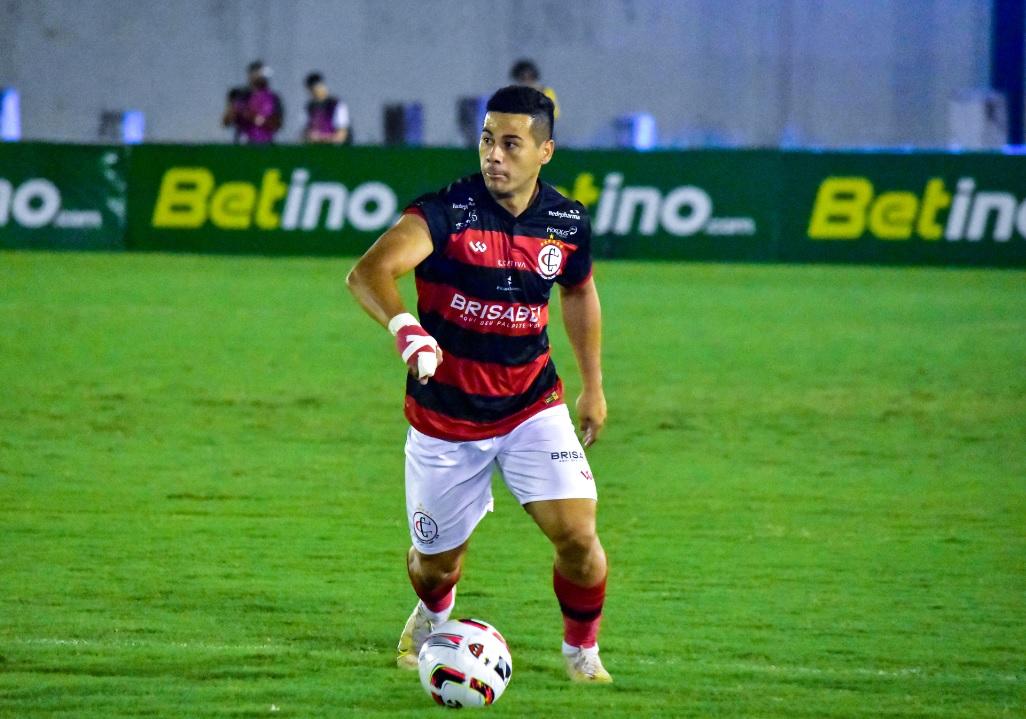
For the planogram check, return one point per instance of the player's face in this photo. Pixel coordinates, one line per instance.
(319, 91)
(511, 157)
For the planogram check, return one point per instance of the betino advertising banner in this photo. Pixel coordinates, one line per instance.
(699, 205)
(62, 196)
(280, 199)
(918, 208)
(337, 200)
(741, 205)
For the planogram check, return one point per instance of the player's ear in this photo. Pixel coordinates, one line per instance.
(548, 148)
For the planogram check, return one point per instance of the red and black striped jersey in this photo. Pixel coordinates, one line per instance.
(483, 294)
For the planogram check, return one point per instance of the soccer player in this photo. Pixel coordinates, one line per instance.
(482, 390)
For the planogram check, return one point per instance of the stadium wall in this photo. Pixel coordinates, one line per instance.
(751, 73)
(742, 205)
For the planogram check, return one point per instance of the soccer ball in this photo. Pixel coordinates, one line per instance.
(465, 663)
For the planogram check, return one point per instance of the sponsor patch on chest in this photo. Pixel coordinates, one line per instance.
(546, 256)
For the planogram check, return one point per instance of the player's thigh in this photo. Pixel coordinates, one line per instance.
(568, 523)
(542, 459)
(448, 490)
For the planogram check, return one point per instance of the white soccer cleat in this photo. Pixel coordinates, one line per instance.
(417, 629)
(585, 666)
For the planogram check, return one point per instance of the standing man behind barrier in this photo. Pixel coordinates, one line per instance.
(327, 117)
(525, 72)
(254, 111)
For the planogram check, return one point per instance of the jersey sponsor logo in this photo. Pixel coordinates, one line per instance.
(587, 475)
(424, 527)
(544, 255)
(508, 286)
(564, 233)
(550, 260)
(469, 219)
(571, 214)
(469, 216)
(500, 313)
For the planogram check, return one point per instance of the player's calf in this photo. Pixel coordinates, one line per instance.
(434, 575)
(434, 578)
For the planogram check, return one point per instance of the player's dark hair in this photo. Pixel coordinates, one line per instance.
(522, 100)
(522, 66)
(255, 66)
(312, 79)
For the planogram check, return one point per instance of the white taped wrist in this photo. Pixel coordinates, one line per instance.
(417, 343)
(403, 319)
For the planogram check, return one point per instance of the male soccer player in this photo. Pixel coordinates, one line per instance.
(482, 390)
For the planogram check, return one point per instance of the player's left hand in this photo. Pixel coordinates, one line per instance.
(591, 415)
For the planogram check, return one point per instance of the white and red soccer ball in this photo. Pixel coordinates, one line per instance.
(465, 663)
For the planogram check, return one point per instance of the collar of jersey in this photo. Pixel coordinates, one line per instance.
(506, 214)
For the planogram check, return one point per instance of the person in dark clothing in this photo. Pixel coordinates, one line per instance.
(327, 117)
(255, 111)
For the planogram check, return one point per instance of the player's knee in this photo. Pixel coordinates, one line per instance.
(576, 543)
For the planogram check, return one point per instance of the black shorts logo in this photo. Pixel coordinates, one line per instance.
(424, 527)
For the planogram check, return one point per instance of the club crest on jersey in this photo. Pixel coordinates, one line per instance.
(550, 258)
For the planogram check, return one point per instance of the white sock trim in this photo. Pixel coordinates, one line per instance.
(436, 617)
(569, 649)
(442, 616)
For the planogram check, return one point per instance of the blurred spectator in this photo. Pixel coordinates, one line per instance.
(255, 111)
(327, 117)
(525, 72)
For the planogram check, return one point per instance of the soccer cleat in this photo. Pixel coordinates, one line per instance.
(584, 665)
(417, 629)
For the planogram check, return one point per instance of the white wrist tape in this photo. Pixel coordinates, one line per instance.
(427, 362)
(417, 343)
(403, 319)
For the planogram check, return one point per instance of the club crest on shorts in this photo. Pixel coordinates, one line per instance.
(424, 527)
(550, 258)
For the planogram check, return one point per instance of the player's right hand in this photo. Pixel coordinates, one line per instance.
(418, 349)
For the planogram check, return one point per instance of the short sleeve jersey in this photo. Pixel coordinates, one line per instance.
(483, 294)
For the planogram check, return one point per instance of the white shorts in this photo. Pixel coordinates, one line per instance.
(449, 484)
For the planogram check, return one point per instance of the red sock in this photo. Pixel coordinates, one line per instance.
(436, 599)
(582, 610)
(440, 605)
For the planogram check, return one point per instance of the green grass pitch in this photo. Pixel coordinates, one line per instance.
(813, 496)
